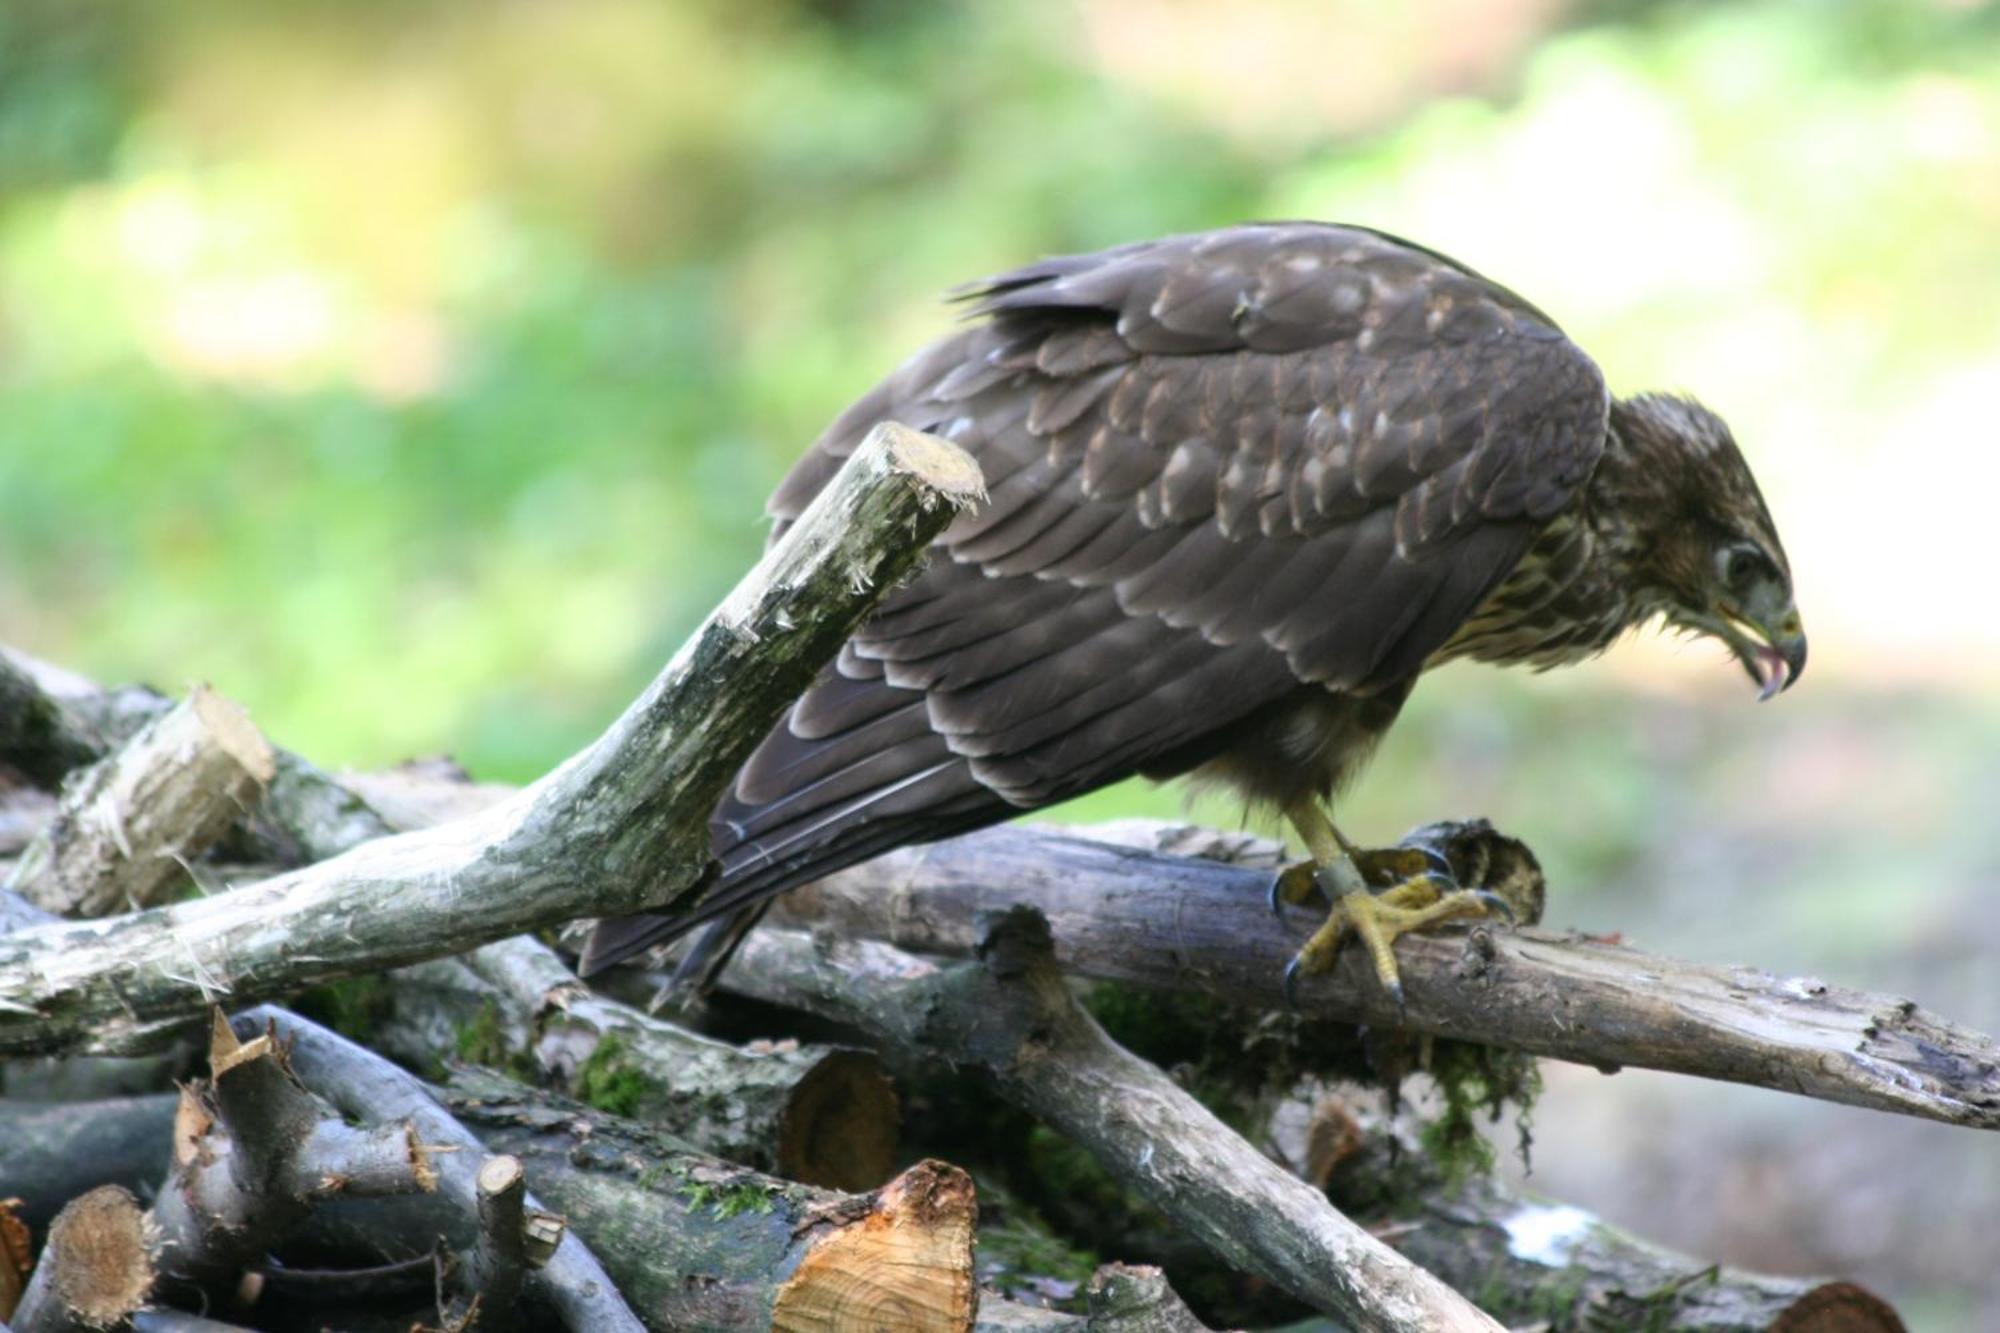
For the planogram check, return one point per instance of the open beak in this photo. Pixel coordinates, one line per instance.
(1773, 652)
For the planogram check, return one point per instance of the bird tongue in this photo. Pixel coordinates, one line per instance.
(1771, 670)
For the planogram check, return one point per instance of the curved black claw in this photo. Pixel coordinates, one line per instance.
(1496, 905)
(1292, 984)
(1440, 863)
(1275, 895)
(1395, 990)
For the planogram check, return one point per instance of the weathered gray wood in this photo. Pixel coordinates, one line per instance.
(127, 827)
(363, 1084)
(1531, 1259)
(1154, 910)
(99, 1265)
(812, 1113)
(50, 1154)
(39, 737)
(695, 1242)
(618, 828)
(254, 1152)
(1013, 1016)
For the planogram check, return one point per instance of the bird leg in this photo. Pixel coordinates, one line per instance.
(1376, 895)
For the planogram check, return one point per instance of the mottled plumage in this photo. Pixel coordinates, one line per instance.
(1245, 487)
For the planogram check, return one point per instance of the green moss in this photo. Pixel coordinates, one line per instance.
(1472, 1079)
(354, 1007)
(1233, 1058)
(609, 1081)
(730, 1200)
(1022, 1258)
(483, 1040)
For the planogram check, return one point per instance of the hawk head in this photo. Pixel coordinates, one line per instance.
(1705, 551)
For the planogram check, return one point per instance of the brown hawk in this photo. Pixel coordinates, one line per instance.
(1246, 486)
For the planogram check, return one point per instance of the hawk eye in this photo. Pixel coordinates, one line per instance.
(1741, 566)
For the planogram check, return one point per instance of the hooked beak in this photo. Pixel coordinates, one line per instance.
(1772, 651)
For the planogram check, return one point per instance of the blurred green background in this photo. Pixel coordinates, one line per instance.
(415, 373)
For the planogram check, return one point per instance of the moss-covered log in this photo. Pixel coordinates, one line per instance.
(696, 1242)
(812, 1113)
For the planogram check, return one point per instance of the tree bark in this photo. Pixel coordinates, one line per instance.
(1145, 912)
(57, 1152)
(39, 738)
(1013, 1016)
(699, 1244)
(816, 1114)
(126, 829)
(1527, 1259)
(620, 827)
(363, 1084)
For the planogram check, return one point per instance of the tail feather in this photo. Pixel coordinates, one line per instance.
(745, 890)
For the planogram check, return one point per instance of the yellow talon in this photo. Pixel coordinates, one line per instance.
(1413, 897)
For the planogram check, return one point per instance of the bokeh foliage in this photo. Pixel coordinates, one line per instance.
(416, 372)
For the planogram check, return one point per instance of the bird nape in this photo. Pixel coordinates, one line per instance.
(1246, 486)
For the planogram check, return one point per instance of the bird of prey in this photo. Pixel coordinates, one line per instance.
(1246, 487)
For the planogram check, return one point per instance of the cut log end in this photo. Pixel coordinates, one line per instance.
(937, 462)
(16, 1256)
(103, 1267)
(231, 731)
(904, 1264)
(841, 1128)
(1839, 1307)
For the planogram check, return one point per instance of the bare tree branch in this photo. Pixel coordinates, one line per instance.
(1155, 909)
(620, 827)
(697, 1243)
(359, 1082)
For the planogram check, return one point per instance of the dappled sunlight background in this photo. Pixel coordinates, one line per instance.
(415, 374)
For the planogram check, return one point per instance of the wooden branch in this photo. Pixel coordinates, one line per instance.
(1152, 910)
(620, 827)
(698, 1243)
(817, 1114)
(1013, 1016)
(254, 1152)
(126, 829)
(98, 1268)
(572, 1282)
(310, 815)
(1533, 1259)
(514, 1241)
(39, 737)
(56, 1152)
